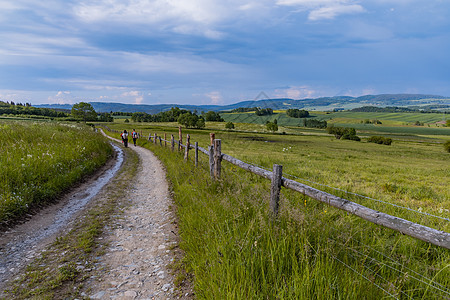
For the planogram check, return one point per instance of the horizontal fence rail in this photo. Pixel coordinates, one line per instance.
(421, 232)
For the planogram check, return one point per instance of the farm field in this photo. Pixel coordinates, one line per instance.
(40, 160)
(392, 122)
(235, 250)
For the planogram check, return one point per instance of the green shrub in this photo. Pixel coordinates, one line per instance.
(229, 125)
(447, 146)
(380, 140)
(343, 132)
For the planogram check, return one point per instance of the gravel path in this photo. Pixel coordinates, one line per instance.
(135, 265)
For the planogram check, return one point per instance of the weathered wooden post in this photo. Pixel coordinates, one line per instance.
(212, 137)
(149, 136)
(211, 161)
(217, 158)
(275, 188)
(165, 139)
(186, 153)
(160, 141)
(155, 139)
(172, 142)
(196, 154)
(180, 138)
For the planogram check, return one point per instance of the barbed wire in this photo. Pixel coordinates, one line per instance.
(355, 194)
(430, 281)
(363, 276)
(378, 275)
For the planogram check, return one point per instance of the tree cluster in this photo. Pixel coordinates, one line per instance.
(367, 121)
(191, 120)
(263, 111)
(212, 116)
(84, 111)
(229, 125)
(272, 126)
(164, 116)
(297, 113)
(380, 140)
(243, 109)
(28, 110)
(313, 123)
(343, 133)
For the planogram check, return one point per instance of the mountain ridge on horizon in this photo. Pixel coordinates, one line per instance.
(328, 103)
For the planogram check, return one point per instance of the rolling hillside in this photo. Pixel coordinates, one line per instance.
(324, 103)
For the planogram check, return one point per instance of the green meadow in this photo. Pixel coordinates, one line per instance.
(41, 160)
(391, 122)
(235, 250)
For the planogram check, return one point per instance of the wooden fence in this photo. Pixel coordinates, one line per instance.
(214, 151)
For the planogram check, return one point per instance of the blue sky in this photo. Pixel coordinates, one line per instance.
(220, 52)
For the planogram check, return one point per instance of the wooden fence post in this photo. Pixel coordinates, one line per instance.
(149, 136)
(275, 188)
(155, 139)
(172, 143)
(186, 153)
(212, 137)
(217, 158)
(160, 141)
(165, 139)
(196, 154)
(211, 161)
(180, 138)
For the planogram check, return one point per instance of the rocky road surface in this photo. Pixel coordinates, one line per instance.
(140, 242)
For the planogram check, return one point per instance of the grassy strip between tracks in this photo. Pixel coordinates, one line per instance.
(61, 269)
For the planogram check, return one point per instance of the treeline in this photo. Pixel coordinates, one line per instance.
(28, 110)
(243, 109)
(263, 111)
(172, 115)
(297, 113)
(313, 123)
(182, 116)
(258, 110)
(396, 109)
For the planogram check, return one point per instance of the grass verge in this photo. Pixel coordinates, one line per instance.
(61, 269)
(235, 250)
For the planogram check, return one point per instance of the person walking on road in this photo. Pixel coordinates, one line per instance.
(124, 137)
(134, 135)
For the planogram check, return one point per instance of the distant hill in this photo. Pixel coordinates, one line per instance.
(324, 103)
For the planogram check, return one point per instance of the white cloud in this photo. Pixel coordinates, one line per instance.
(193, 17)
(331, 12)
(324, 9)
(216, 97)
(135, 95)
(296, 92)
(62, 97)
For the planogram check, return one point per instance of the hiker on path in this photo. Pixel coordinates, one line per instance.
(124, 137)
(134, 135)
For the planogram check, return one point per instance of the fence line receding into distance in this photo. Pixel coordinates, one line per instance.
(421, 232)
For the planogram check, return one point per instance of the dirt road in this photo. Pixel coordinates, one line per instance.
(140, 242)
(140, 239)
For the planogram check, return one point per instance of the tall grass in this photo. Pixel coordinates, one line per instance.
(235, 250)
(39, 160)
